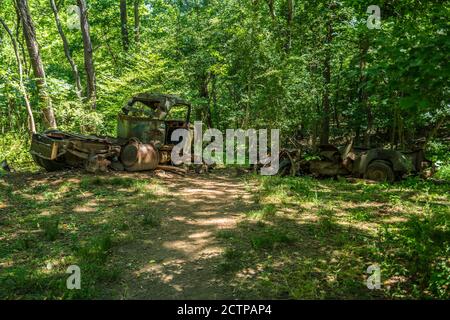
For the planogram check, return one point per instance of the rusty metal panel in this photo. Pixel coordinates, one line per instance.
(145, 129)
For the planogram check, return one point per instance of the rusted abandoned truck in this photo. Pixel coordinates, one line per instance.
(144, 131)
(374, 164)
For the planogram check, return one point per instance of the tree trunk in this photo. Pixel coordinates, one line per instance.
(214, 99)
(31, 123)
(88, 57)
(316, 128)
(137, 23)
(204, 93)
(74, 67)
(271, 5)
(36, 63)
(325, 132)
(394, 128)
(123, 24)
(290, 18)
(336, 97)
(362, 94)
(18, 40)
(401, 136)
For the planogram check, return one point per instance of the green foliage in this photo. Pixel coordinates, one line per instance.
(243, 66)
(439, 151)
(75, 117)
(444, 172)
(14, 147)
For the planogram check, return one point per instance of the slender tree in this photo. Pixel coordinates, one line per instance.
(205, 79)
(363, 97)
(36, 62)
(124, 24)
(325, 132)
(290, 18)
(19, 41)
(137, 23)
(91, 89)
(74, 67)
(271, 5)
(31, 123)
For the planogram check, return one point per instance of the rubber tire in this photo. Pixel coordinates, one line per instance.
(380, 171)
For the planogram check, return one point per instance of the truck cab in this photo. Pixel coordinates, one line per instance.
(144, 130)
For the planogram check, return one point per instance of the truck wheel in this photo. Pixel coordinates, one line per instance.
(379, 171)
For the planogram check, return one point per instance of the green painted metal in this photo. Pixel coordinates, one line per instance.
(145, 129)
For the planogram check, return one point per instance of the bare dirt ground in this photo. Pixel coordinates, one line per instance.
(178, 259)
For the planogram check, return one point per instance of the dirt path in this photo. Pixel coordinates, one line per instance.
(178, 259)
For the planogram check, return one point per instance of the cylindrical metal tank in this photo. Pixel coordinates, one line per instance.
(137, 156)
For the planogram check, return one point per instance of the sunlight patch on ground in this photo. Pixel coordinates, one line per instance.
(192, 248)
(89, 207)
(219, 222)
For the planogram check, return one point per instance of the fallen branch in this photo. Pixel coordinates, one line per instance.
(172, 169)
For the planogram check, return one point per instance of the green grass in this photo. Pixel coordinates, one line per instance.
(50, 228)
(231, 261)
(69, 221)
(269, 238)
(360, 215)
(266, 212)
(225, 234)
(314, 239)
(298, 238)
(151, 219)
(97, 250)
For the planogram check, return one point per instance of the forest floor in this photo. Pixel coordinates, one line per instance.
(215, 236)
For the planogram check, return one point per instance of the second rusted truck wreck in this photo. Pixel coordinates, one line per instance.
(143, 142)
(376, 164)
